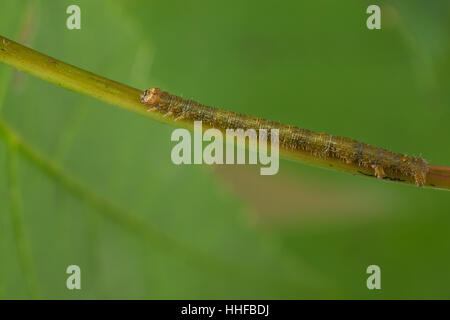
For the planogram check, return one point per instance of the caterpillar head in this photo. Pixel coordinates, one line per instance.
(151, 97)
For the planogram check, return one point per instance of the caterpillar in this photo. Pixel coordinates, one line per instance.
(367, 159)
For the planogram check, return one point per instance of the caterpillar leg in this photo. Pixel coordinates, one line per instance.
(418, 170)
(379, 172)
(168, 114)
(420, 176)
(180, 117)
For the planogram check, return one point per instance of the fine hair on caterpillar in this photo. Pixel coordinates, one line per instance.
(346, 152)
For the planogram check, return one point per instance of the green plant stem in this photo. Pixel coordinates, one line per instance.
(73, 78)
(123, 96)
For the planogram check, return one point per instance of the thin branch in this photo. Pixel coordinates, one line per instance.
(123, 96)
(438, 176)
(73, 78)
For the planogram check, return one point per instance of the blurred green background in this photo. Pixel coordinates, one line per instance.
(225, 232)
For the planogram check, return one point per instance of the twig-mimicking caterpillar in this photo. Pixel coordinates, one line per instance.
(381, 162)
